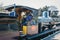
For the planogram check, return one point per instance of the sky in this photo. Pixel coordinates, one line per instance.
(32, 3)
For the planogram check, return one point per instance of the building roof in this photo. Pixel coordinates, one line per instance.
(24, 8)
(12, 6)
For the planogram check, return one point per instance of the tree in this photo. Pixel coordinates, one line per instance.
(1, 7)
(45, 8)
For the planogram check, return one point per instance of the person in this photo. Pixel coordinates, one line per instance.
(26, 18)
(39, 27)
(29, 17)
(43, 27)
(24, 22)
(50, 25)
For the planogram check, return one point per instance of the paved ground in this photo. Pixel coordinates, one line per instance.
(9, 35)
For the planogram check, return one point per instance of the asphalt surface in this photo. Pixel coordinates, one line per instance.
(9, 35)
(13, 35)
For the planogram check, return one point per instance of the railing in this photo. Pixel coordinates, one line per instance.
(51, 36)
(39, 36)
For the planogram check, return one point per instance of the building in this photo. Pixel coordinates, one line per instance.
(53, 12)
(20, 11)
(6, 21)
